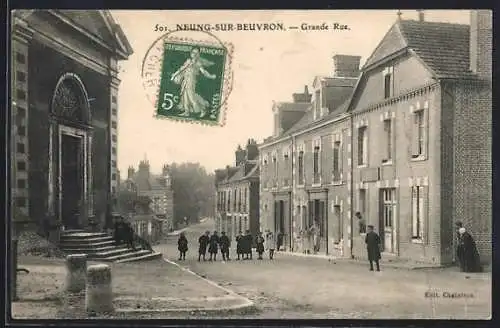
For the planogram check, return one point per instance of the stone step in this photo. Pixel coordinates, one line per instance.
(83, 235)
(76, 245)
(113, 252)
(86, 240)
(128, 255)
(91, 249)
(147, 257)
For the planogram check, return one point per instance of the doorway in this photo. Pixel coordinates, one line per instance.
(387, 220)
(318, 219)
(72, 175)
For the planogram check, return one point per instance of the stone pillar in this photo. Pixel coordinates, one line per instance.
(113, 130)
(21, 36)
(76, 265)
(99, 291)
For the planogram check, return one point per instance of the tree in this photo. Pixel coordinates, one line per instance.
(193, 191)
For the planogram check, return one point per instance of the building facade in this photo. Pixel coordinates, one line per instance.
(237, 193)
(414, 142)
(158, 188)
(64, 114)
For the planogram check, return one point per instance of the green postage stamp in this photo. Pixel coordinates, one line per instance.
(194, 81)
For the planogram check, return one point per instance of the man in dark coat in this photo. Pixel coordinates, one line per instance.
(240, 245)
(467, 253)
(224, 243)
(203, 241)
(279, 242)
(182, 246)
(259, 242)
(213, 245)
(372, 241)
(248, 240)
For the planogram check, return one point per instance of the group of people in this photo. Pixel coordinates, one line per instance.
(124, 233)
(244, 244)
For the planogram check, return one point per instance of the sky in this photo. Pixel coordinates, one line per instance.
(267, 66)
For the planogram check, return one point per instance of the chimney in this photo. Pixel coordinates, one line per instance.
(165, 170)
(304, 97)
(240, 155)
(144, 168)
(131, 172)
(421, 16)
(346, 66)
(252, 150)
(248, 167)
(480, 43)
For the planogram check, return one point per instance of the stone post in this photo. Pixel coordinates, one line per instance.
(76, 265)
(99, 292)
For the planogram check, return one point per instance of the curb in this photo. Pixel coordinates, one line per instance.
(360, 262)
(247, 304)
(239, 308)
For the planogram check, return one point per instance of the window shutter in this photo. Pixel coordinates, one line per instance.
(311, 214)
(414, 211)
(414, 134)
(423, 212)
(426, 131)
(308, 162)
(365, 146)
(385, 154)
(341, 159)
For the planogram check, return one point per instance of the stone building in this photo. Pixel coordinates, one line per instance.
(64, 116)
(158, 188)
(410, 149)
(303, 166)
(237, 193)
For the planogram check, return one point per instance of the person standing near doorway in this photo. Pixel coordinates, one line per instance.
(279, 242)
(467, 253)
(372, 241)
(259, 242)
(203, 243)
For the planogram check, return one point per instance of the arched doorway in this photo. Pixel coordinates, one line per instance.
(70, 149)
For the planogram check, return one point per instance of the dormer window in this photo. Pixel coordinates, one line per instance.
(388, 82)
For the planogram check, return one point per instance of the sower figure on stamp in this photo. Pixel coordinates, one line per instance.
(203, 241)
(372, 241)
(239, 245)
(213, 246)
(182, 245)
(187, 77)
(224, 243)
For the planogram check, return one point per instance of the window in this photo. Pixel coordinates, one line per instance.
(21, 130)
(113, 124)
(21, 166)
(362, 210)
(21, 201)
(388, 82)
(21, 94)
(113, 150)
(388, 141)
(275, 171)
(245, 197)
(337, 157)
(113, 137)
(113, 99)
(114, 111)
(113, 163)
(21, 76)
(239, 200)
(20, 148)
(21, 183)
(316, 167)
(418, 142)
(229, 201)
(286, 163)
(417, 212)
(113, 177)
(301, 167)
(362, 146)
(20, 58)
(234, 201)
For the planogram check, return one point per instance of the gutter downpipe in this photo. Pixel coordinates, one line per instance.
(351, 169)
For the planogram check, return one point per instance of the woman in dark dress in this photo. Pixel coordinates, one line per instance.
(372, 241)
(213, 246)
(182, 245)
(467, 253)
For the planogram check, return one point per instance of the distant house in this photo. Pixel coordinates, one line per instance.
(238, 193)
(157, 188)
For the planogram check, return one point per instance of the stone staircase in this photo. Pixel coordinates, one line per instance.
(102, 247)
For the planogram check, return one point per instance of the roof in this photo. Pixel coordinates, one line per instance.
(443, 47)
(153, 182)
(238, 173)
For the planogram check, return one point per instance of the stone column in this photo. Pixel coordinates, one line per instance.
(76, 265)
(99, 291)
(113, 129)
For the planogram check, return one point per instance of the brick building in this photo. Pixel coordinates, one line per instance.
(410, 148)
(158, 188)
(421, 116)
(64, 114)
(237, 193)
(303, 174)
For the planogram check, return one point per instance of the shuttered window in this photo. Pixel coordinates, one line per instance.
(418, 213)
(419, 134)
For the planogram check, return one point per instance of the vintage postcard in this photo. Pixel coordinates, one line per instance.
(271, 164)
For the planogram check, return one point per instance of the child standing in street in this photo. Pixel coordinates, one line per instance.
(182, 245)
(270, 244)
(259, 241)
(224, 246)
(239, 245)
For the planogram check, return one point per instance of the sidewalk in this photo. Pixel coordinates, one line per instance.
(156, 288)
